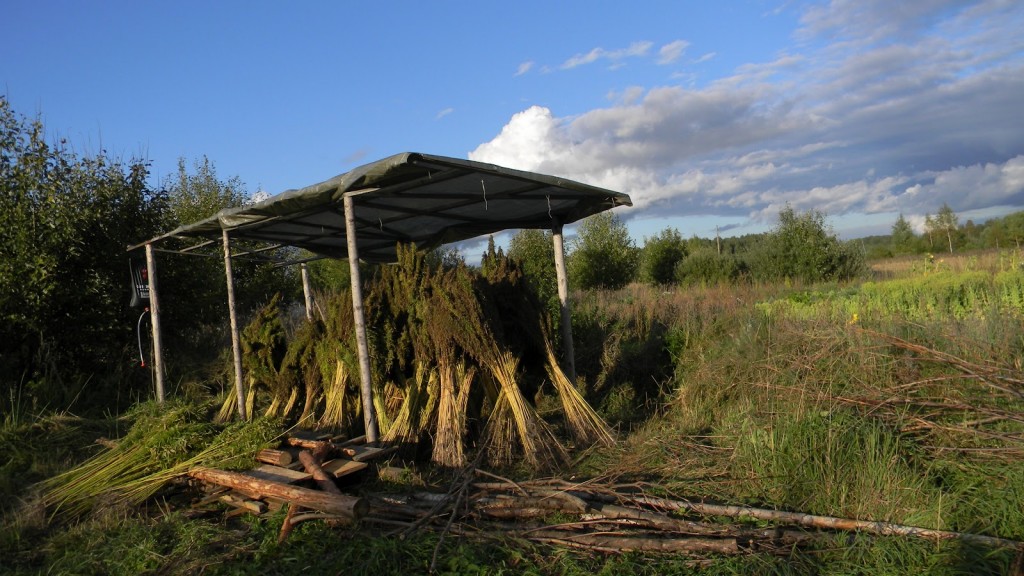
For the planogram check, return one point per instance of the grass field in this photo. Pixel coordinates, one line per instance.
(896, 399)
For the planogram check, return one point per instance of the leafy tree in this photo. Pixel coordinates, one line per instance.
(535, 253)
(903, 238)
(198, 194)
(64, 224)
(931, 227)
(946, 222)
(660, 256)
(193, 289)
(603, 254)
(801, 247)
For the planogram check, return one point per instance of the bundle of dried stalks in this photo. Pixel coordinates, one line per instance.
(585, 424)
(457, 310)
(455, 382)
(499, 437)
(334, 398)
(540, 446)
(165, 441)
(421, 395)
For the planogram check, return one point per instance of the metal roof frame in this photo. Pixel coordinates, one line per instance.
(408, 198)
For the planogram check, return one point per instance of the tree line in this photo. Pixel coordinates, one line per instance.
(67, 333)
(801, 248)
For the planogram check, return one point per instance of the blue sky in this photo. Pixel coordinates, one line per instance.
(707, 113)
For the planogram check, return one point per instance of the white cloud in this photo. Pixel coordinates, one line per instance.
(672, 51)
(531, 138)
(524, 68)
(615, 57)
(444, 113)
(856, 119)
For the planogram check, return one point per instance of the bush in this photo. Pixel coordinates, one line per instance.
(603, 254)
(803, 248)
(708, 267)
(534, 251)
(660, 256)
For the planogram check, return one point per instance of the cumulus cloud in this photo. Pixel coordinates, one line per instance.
(878, 107)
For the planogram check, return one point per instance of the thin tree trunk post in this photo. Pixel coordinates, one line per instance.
(306, 292)
(366, 382)
(236, 344)
(563, 300)
(154, 316)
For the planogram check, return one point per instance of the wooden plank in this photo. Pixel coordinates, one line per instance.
(305, 434)
(343, 467)
(365, 453)
(352, 441)
(278, 474)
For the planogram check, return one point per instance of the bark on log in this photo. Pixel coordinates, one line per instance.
(827, 522)
(275, 457)
(607, 543)
(348, 506)
(313, 467)
(322, 447)
(652, 520)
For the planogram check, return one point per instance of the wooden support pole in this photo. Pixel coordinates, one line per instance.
(236, 344)
(569, 354)
(365, 378)
(306, 291)
(154, 316)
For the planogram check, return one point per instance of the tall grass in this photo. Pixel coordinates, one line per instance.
(894, 400)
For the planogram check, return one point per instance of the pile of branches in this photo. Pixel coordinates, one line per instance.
(962, 405)
(616, 518)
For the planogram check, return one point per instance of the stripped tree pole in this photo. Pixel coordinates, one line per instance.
(569, 354)
(236, 345)
(154, 316)
(365, 378)
(306, 291)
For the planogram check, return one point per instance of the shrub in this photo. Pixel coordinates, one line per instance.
(803, 248)
(708, 267)
(660, 256)
(603, 254)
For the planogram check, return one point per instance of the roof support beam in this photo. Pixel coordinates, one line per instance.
(306, 292)
(568, 351)
(154, 317)
(365, 377)
(236, 344)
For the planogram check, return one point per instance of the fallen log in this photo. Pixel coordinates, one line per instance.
(275, 457)
(350, 507)
(815, 521)
(619, 544)
(314, 445)
(313, 467)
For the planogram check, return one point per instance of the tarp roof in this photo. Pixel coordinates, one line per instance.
(408, 198)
